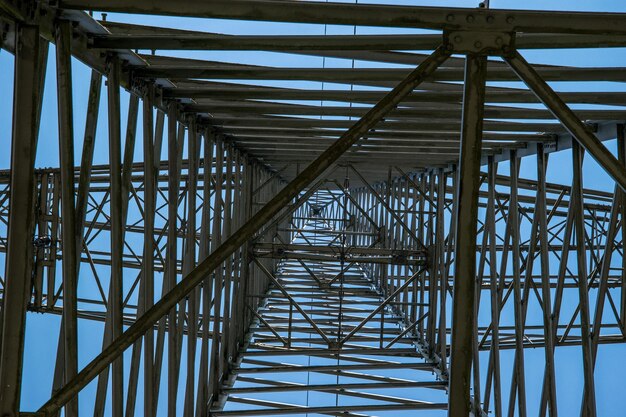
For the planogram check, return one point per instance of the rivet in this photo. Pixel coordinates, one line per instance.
(458, 38)
(499, 41)
(490, 19)
(478, 44)
(470, 18)
(510, 19)
(450, 18)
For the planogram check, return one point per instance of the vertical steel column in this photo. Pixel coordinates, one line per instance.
(207, 284)
(228, 267)
(159, 128)
(26, 99)
(71, 257)
(494, 290)
(519, 378)
(540, 213)
(465, 250)
(189, 264)
(583, 291)
(441, 348)
(127, 186)
(171, 256)
(216, 238)
(117, 230)
(246, 278)
(621, 155)
(149, 196)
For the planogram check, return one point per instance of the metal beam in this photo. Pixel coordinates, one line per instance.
(296, 43)
(566, 116)
(70, 259)
(463, 311)
(26, 102)
(371, 15)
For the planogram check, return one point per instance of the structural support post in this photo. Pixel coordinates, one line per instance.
(589, 397)
(150, 184)
(465, 250)
(26, 98)
(264, 215)
(170, 275)
(117, 227)
(68, 212)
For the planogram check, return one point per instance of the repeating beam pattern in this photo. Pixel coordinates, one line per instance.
(363, 240)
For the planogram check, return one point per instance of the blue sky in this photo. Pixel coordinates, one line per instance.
(41, 330)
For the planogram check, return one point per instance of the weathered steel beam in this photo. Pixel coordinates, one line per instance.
(463, 311)
(371, 15)
(149, 172)
(240, 92)
(217, 42)
(117, 227)
(26, 103)
(366, 75)
(588, 408)
(71, 258)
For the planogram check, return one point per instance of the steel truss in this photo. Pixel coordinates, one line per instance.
(387, 264)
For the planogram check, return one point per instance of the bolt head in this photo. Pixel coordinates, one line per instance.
(458, 38)
(450, 18)
(490, 19)
(478, 44)
(510, 19)
(470, 18)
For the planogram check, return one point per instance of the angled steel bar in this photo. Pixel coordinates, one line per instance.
(218, 275)
(202, 397)
(391, 211)
(621, 154)
(306, 177)
(228, 267)
(371, 15)
(566, 116)
(463, 310)
(269, 179)
(611, 243)
(293, 302)
(86, 163)
(382, 305)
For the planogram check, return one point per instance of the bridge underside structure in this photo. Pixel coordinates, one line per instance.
(413, 235)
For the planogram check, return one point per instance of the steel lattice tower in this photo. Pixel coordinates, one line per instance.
(434, 229)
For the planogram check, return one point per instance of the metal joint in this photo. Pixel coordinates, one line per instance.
(480, 42)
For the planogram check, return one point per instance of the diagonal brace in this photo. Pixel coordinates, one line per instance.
(566, 116)
(292, 301)
(382, 305)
